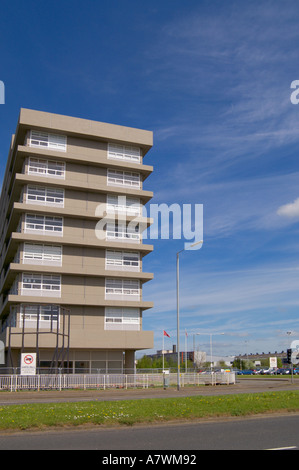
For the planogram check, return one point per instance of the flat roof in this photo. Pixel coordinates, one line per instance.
(84, 128)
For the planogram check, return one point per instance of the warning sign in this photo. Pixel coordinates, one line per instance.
(28, 364)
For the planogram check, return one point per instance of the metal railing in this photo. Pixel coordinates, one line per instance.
(16, 382)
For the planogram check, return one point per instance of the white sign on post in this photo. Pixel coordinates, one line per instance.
(273, 362)
(28, 364)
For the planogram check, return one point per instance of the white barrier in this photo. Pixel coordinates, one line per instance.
(109, 381)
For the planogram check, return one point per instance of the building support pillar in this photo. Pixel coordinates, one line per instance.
(129, 365)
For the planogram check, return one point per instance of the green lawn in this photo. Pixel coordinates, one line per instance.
(129, 412)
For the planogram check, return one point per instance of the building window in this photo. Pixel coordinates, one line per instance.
(46, 315)
(121, 288)
(45, 196)
(123, 204)
(126, 261)
(122, 318)
(118, 231)
(47, 285)
(47, 255)
(43, 224)
(40, 167)
(127, 153)
(123, 178)
(48, 141)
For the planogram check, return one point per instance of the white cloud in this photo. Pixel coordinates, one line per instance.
(290, 210)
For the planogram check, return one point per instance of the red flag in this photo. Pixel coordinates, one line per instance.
(166, 334)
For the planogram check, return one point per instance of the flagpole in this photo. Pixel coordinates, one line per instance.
(178, 318)
(163, 353)
(185, 350)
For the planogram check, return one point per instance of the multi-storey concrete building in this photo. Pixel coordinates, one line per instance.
(71, 243)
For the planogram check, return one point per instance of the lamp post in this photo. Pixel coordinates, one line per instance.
(194, 334)
(178, 308)
(289, 333)
(211, 347)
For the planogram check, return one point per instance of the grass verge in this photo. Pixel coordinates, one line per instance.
(129, 412)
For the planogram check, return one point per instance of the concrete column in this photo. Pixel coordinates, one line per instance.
(129, 365)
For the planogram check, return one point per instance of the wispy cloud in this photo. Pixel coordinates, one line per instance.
(234, 206)
(231, 76)
(289, 210)
(238, 300)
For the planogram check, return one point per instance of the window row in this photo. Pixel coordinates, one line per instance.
(122, 287)
(41, 284)
(48, 141)
(35, 253)
(121, 231)
(41, 167)
(51, 255)
(123, 178)
(48, 317)
(124, 152)
(58, 142)
(43, 224)
(48, 225)
(37, 284)
(50, 285)
(45, 196)
(123, 204)
(48, 196)
(55, 169)
(117, 318)
(122, 260)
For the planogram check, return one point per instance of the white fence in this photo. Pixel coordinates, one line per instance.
(109, 381)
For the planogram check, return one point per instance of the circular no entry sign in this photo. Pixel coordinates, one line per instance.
(28, 359)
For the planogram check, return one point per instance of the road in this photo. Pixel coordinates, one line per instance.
(264, 432)
(279, 432)
(243, 385)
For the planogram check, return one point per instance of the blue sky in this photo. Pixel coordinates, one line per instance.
(212, 80)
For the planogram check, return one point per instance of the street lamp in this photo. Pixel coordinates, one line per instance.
(289, 333)
(178, 309)
(194, 334)
(211, 347)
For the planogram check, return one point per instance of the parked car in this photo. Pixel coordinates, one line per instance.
(283, 371)
(269, 371)
(247, 372)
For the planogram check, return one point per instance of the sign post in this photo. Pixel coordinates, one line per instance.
(273, 362)
(2, 353)
(28, 364)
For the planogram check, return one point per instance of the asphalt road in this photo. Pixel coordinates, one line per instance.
(279, 432)
(258, 433)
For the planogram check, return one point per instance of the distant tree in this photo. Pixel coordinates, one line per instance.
(239, 364)
(144, 363)
(158, 363)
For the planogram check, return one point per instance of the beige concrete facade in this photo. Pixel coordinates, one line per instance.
(71, 243)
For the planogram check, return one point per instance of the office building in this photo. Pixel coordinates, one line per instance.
(71, 243)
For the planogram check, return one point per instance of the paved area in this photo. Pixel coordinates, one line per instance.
(243, 385)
